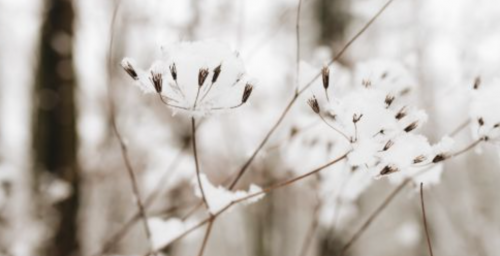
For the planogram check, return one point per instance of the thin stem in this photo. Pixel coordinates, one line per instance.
(424, 219)
(373, 216)
(312, 229)
(245, 166)
(123, 146)
(207, 235)
(297, 54)
(118, 235)
(335, 128)
(195, 153)
(391, 196)
(264, 191)
(460, 128)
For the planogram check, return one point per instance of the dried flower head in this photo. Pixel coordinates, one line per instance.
(198, 77)
(325, 74)
(129, 68)
(313, 103)
(477, 83)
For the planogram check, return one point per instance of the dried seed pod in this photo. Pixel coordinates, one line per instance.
(246, 92)
(438, 158)
(313, 103)
(388, 100)
(173, 71)
(480, 121)
(419, 159)
(401, 113)
(325, 74)
(356, 118)
(202, 76)
(477, 83)
(388, 170)
(411, 127)
(129, 68)
(157, 81)
(388, 145)
(217, 71)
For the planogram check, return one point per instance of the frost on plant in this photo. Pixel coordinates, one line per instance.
(219, 197)
(196, 77)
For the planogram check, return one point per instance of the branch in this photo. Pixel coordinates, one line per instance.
(424, 219)
(264, 191)
(245, 166)
(123, 146)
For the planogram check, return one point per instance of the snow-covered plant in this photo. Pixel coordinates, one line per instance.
(484, 112)
(196, 77)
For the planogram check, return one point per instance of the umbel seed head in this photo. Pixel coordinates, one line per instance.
(388, 170)
(313, 103)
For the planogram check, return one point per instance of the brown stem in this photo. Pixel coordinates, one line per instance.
(297, 45)
(123, 146)
(195, 153)
(207, 235)
(424, 219)
(373, 216)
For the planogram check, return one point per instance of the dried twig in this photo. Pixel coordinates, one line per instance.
(123, 146)
(424, 219)
(247, 164)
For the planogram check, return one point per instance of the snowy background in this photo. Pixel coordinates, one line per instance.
(65, 188)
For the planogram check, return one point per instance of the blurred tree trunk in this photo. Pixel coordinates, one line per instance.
(54, 124)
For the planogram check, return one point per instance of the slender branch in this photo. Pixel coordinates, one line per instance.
(349, 140)
(297, 45)
(245, 166)
(467, 148)
(264, 191)
(312, 229)
(150, 199)
(460, 128)
(373, 216)
(195, 153)
(207, 235)
(123, 146)
(424, 219)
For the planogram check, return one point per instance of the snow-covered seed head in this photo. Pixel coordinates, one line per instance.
(388, 100)
(411, 127)
(313, 103)
(419, 159)
(401, 113)
(127, 66)
(202, 76)
(477, 83)
(157, 81)
(325, 74)
(438, 158)
(173, 71)
(388, 170)
(217, 71)
(246, 92)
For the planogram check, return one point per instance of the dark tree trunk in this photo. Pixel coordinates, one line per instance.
(54, 119)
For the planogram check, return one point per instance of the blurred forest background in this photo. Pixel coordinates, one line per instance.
(63, 185)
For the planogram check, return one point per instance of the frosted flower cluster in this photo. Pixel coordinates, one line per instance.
(485, 114)
(219, 197)
(197, 77)
(380, 127)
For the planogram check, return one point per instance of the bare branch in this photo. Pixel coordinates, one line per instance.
(424, 219)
